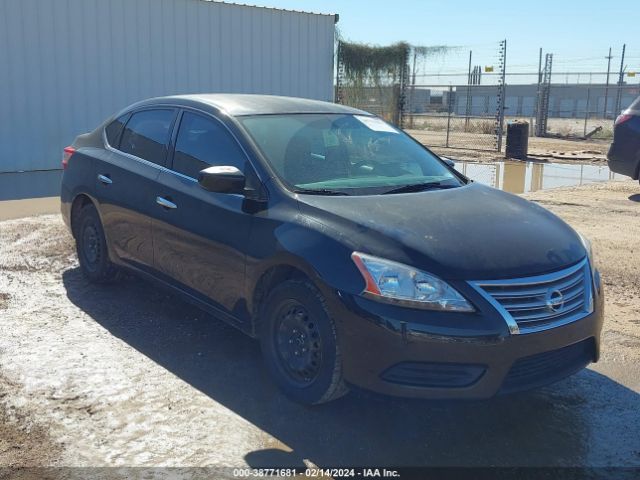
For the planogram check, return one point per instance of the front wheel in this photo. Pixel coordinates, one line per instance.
(299, 344)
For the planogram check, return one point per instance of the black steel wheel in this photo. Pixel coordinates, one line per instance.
(299, 343)
(91, 246)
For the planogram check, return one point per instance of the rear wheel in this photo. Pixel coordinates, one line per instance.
(91, 246)
(299, 344)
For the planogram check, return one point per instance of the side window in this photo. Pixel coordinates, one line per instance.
(147, 135)
(203, 142)
(114, 129)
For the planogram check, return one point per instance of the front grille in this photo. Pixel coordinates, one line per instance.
(434, 375)
(548, 367)
(537, 303)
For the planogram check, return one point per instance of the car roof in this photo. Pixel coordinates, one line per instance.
(246, 104)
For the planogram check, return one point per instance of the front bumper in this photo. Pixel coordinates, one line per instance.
(401, 359)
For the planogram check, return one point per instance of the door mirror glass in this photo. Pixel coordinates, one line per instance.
(222, 179)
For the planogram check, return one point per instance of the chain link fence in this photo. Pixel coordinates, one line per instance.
(464, 116)
(440, 115)
(574, 111)
(381, 100)
(373, 79)
(471, 110)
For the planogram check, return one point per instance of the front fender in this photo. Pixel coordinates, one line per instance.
(307, 247)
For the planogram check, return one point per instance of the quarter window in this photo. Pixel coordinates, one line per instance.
(147, 135)
(203, 142)
(114, 129)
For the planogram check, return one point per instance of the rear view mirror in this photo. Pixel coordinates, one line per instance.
(222, 179)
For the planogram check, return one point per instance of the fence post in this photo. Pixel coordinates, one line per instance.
(501, 94)
(545, 93)
(468, 90)
(339, 97)
(586, 113)
(449, 103)
(397, 99)
(402, 97)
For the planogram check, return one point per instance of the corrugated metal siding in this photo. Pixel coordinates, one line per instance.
(66, 65)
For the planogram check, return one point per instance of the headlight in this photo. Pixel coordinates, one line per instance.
(587, 246)
(397, 283)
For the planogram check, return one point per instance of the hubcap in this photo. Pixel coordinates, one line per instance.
(298, 343)
(90, 244)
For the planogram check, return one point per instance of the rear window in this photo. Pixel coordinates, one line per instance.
(635, 105)
(114, 129)
(147, 135)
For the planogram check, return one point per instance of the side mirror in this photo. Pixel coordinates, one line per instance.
(449, 162)
(222, 179)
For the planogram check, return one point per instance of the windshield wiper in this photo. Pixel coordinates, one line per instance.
(319, 191)
(419, 187)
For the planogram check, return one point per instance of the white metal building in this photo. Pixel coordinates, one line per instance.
(65, 66)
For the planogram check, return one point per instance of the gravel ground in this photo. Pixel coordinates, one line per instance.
(128, 375)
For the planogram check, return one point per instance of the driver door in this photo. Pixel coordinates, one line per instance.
(200, 237)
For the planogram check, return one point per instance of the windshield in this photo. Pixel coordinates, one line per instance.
(345, 154)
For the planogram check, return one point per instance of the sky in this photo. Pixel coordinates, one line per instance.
(578, 33)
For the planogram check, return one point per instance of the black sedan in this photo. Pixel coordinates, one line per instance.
(624, 153)
(355, 255)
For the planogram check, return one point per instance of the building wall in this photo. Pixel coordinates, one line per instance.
(565, 101)
(67, 65)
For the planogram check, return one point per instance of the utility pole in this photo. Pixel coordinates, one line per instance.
(620, 83)
(606, 90)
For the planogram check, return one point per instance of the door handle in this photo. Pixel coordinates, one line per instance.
(163, 202)
(105, 180)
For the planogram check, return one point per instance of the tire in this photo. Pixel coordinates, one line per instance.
(299, 344)
(91, 247)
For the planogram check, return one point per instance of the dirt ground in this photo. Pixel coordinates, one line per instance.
(128, 375)
(540, 148)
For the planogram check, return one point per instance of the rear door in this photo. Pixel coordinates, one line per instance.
(125, 181)
(200, 237)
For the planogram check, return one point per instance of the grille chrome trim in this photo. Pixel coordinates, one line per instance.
(525, 305)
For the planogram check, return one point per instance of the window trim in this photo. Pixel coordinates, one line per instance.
(130, 115)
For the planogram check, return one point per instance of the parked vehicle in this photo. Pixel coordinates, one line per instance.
(624, 153)
(355, 255)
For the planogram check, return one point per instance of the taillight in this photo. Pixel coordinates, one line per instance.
(68, 152)
(623, 118)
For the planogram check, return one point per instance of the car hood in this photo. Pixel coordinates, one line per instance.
(472, 232)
